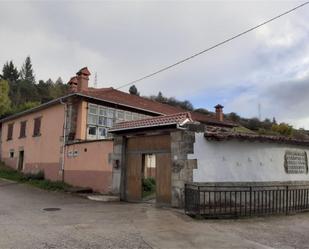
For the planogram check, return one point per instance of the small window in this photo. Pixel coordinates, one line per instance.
(135, 116)
(92, 132)
(128, 116)
(102, 111)
(102, 132)
(11, 154)
(110, 122)
(37, 127)
(110, 113)
(23, 125)
(92, 119)
(10, 131)
(102, 121)
(93, 109)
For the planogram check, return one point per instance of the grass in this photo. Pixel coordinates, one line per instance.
(36, 180)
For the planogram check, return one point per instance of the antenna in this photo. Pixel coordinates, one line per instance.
(95, 84)
(260, 112)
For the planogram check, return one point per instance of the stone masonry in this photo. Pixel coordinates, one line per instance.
(182, 142)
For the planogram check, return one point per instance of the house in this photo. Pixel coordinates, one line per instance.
(185, 149)
(68, 138)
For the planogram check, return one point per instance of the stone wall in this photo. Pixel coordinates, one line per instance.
(182, 144)
(118, 186)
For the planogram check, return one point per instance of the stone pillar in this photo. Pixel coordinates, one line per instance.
(118, 173)
(182, 144)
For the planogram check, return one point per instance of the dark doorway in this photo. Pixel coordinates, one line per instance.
(21, 160)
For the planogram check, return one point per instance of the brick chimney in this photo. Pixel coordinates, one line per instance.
(82, 77)
(73, 85)
(219, 112)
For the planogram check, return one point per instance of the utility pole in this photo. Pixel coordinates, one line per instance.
(260, 112)
(95, 84)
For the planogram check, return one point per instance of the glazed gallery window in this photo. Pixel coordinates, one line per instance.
(37, 127)
(101, 118)
(10, 131)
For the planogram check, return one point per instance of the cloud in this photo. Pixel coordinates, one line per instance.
(123, 41)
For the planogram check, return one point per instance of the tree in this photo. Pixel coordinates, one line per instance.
(234, 117)
(4, 97)
(133, 90)
(26, 73)
(10, 72)
(283, 129)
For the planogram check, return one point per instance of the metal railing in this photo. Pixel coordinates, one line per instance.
(237, 201)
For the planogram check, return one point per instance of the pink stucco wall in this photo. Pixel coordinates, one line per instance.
(42, 152)
(87, 165)
(90, 167)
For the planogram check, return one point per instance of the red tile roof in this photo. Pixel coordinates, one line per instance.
(113, 95)
(174, 119)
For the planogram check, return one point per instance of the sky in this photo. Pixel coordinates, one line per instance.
(121, 41)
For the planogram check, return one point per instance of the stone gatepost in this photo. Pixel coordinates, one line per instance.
(182, 144)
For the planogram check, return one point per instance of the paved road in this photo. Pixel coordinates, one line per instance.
(84, 224)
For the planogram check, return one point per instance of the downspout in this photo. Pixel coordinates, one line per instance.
(64, 138)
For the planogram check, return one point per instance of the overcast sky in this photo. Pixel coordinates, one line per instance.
(122, 41)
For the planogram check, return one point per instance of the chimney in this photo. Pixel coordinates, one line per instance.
(219, 112)
(73, 85)
(82, 77)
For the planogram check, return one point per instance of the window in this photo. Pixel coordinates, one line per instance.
(37, 127)
(128, 116)
(100, 118)
(11, 154)
(10, 131)
(119, 116)
(22, 132)
(135, 116)
(102, 132)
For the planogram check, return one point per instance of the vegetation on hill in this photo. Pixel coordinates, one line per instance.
(21, 91)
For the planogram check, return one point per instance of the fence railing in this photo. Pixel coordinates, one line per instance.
(236, 201)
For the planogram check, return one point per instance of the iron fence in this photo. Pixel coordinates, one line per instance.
(237, 201)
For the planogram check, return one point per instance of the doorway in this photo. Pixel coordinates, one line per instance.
(148, 169)
(149, 173)
(21, 160)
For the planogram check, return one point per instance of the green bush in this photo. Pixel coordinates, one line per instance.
(36, 176)
(149, 184)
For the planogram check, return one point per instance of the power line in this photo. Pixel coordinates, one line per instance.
(212, 47)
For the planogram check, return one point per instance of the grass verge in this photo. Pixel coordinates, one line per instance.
(36, 180)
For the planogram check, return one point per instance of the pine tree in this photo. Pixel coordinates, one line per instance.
(133, 90)
(4, 97)
(10, 72)
(26, 72)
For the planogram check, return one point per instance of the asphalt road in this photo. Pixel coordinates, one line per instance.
(85, 224)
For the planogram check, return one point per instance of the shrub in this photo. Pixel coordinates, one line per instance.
(34, 176)
(149, 184)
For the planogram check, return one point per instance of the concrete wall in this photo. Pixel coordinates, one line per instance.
(240, 161)
(88, 164)
(42, 152)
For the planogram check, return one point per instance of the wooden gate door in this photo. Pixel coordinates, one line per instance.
(134, 177)
(163, 178)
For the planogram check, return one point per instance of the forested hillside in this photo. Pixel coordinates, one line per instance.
(20, 89)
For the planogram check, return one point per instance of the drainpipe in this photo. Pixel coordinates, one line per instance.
(64, 138)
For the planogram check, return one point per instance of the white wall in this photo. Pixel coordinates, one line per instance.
(241, 161)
